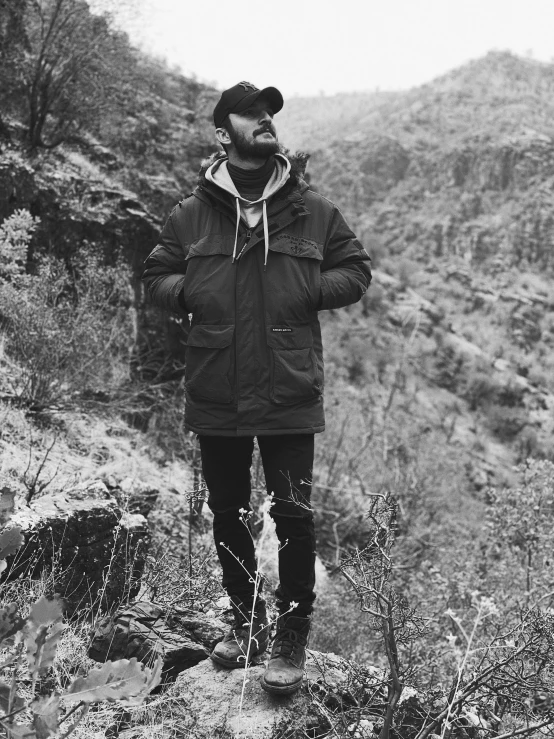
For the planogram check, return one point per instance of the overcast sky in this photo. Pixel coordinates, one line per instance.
(311, 46)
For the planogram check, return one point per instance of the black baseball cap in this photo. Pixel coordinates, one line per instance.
(241, 96)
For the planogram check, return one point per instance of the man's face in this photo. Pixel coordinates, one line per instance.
(252, 132)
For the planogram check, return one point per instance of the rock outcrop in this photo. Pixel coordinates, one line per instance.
(209, 701)
(94, 550)
(147, 631)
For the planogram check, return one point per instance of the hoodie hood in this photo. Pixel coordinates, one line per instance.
(219, 175)
(298, 163)
(251, 210)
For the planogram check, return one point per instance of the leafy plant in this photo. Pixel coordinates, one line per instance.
(15, 235)
(31, 644)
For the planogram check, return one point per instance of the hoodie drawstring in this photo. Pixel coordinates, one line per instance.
(236, 229)
(218, 174)
(266, 231)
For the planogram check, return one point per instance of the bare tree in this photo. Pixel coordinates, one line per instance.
(13, 46)
(74, 70)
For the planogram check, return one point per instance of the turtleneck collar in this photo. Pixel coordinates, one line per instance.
(250, 183)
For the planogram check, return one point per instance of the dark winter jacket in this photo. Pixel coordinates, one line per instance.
(254, 361)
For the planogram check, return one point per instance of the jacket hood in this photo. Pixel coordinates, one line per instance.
(218, 174)
(298, 163)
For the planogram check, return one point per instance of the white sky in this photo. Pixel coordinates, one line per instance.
(308, 46)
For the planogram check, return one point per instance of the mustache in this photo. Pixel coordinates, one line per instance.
(265, 129)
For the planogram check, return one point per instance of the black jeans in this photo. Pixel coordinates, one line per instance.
(288, 463)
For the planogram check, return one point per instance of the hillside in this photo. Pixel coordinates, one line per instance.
(449, 186)
(461, 166)
(437, 383)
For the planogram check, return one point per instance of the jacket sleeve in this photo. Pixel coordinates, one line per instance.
(345, 270)
(165, 268)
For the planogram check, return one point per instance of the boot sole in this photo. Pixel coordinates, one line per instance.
(234, 664)
(280, 690)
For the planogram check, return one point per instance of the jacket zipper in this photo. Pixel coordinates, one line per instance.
(248, 235)
(263, 280)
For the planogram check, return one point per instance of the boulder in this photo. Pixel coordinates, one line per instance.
(337, 698)
(146, 631)
(206, 700)
(94, 550)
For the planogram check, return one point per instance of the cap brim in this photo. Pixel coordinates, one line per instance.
(271, 93)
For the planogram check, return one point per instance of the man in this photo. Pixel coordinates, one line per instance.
(251, 257)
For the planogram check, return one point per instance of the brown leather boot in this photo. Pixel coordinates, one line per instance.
(239, 646)
(285, 668)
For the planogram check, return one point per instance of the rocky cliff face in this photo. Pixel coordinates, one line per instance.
(461, 166)
(449, 187)
(110, 200)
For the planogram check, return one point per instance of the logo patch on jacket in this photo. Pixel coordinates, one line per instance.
(280, 330)
(298, 245)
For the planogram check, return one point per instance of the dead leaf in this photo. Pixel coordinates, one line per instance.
(123, 680)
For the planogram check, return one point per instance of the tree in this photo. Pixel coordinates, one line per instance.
(74, 69)
(13, 46)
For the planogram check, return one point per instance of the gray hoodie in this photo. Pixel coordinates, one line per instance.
(250, 210)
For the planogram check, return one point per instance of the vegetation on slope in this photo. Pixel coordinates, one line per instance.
(437, 382)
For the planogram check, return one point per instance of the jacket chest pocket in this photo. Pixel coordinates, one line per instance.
(209, 366)
(207, 287)
(293, 366)
(295, 264)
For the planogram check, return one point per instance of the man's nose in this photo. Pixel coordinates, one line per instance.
(265, 117)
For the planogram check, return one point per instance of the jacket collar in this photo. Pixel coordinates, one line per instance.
(294, 184)
(290, 194)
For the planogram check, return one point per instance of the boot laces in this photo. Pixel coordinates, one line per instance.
(287, 642)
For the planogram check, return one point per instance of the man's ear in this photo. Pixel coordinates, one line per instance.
(222, 135)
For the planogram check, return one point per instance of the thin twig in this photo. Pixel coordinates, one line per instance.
(526, 729)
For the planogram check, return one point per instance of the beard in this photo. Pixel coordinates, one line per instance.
(253, 149)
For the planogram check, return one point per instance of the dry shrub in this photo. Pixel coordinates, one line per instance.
(70, 332)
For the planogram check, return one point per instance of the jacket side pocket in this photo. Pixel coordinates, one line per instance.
(293, 375)
(209, 365)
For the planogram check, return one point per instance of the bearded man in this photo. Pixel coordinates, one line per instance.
(251, 257)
